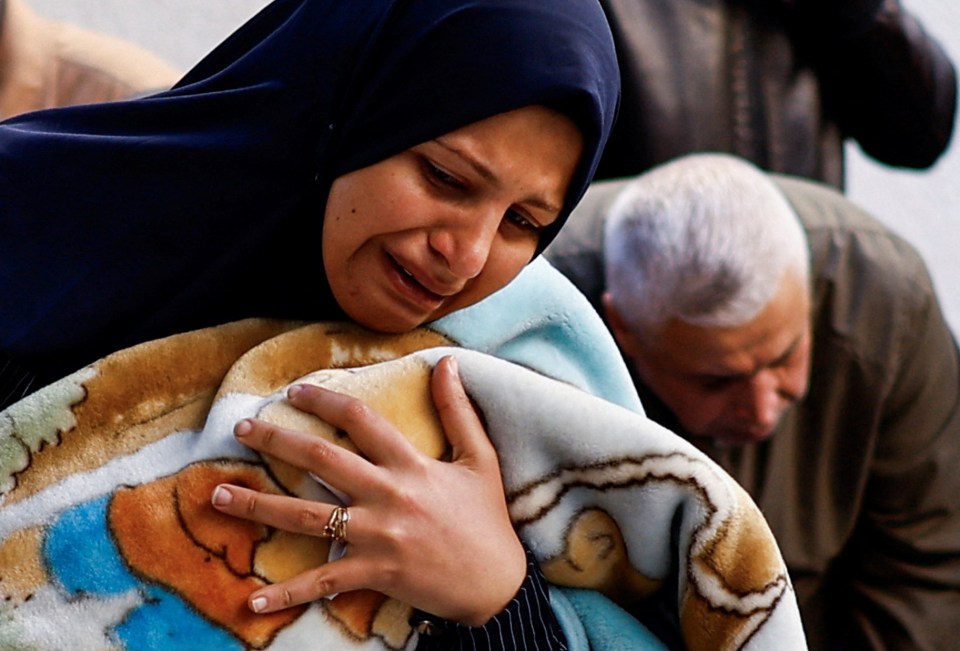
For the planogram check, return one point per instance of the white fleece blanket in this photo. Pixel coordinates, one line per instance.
(107, 539)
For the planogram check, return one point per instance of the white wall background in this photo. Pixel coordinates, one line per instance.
(922, 206)
(180, 30)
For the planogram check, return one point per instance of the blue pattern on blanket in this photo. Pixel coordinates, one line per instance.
(84, 559)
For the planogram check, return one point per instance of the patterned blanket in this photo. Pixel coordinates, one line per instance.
(108, 539)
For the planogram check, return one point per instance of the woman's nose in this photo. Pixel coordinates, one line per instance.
(465, 243)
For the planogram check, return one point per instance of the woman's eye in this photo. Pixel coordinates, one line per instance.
(442, 176)
(519, 220)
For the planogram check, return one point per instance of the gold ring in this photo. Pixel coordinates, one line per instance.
(336, 527)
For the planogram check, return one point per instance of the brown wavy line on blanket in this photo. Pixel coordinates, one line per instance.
(735, 571)
(140, 395)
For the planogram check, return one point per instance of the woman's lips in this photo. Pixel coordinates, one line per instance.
(411, 288)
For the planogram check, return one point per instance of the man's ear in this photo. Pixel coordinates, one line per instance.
(624, 337)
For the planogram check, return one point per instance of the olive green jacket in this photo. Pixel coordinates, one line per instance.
(861, 481)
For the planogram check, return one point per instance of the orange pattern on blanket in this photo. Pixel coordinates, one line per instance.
(168, 533)
(595, 557)
(22, 569)
(356, 611)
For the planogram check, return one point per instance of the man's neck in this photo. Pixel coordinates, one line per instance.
(655, 408)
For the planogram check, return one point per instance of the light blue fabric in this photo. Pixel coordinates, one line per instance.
(569, 619)
(592, 622)
(541, 321)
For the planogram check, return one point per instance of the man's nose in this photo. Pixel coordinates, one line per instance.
(761, 400)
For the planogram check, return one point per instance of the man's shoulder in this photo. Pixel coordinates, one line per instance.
(844, 237)
(577, 250)
(872, 290)
(823, 207)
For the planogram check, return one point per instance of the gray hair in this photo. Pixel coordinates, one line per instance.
(706, 239)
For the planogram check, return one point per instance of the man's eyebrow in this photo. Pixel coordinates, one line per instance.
(487, 174)
(733, 375)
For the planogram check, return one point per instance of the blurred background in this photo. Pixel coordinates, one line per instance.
(923, 206)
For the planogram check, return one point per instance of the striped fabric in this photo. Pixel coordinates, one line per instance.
(527, 623)
(15, 382)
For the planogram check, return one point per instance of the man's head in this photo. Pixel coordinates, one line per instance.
(708, 294)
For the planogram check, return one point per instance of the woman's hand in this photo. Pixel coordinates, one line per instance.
(433, 534)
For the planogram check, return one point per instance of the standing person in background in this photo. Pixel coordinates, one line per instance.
(44, 63)
(782, 83)
(799, 343)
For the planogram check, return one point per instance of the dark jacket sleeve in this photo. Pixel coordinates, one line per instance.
(891, 86)
(528, 622)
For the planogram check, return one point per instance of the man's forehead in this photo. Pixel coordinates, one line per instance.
(697, 351)
(764, 338)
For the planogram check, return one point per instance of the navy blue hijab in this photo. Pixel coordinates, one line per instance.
(204, 204)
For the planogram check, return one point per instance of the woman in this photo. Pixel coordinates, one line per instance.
(394, 161)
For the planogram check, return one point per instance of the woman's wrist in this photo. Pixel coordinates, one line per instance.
(527, 617)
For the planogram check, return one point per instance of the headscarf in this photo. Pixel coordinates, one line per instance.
(128, 221)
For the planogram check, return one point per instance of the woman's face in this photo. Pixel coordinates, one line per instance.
(442, 225)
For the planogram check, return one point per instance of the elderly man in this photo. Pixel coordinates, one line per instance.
(45, 64)
(800, 344)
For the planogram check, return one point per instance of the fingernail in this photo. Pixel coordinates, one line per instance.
(242, 428)
(294, 390)
(221, 496)
(257, 604)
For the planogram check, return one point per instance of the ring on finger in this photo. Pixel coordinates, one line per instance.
(336, 527)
